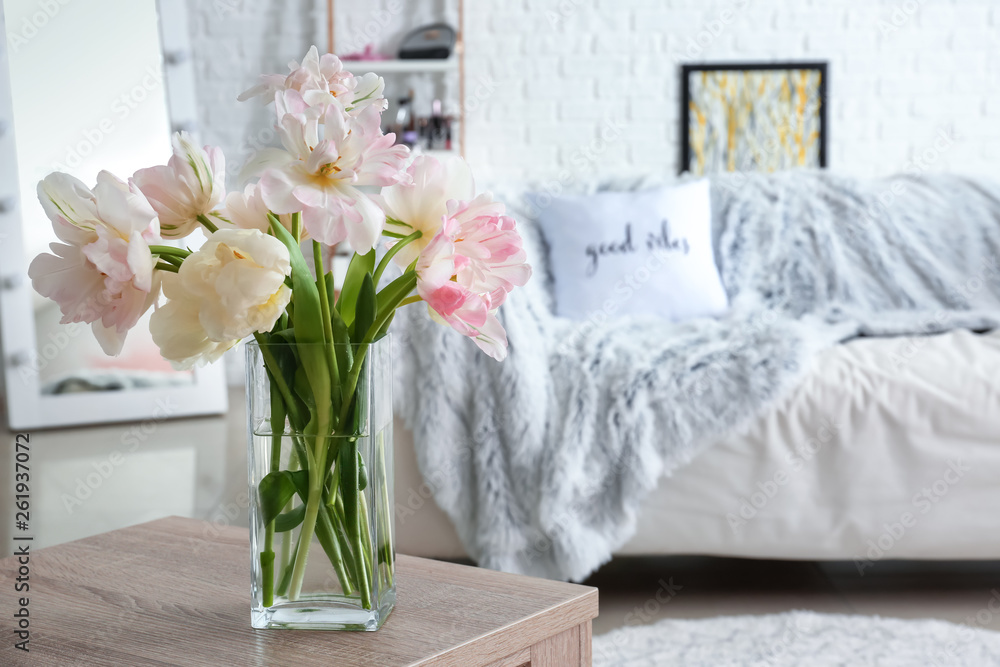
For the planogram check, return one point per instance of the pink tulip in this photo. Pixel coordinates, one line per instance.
(319, 80)
(488, 240)
(191, 184)
(467, 269)
(103, 274)
(319, 177)
(421, 203)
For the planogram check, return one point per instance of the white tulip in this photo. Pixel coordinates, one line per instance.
(177, 330)
(232, 287)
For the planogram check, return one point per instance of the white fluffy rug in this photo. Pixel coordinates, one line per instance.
(798, 638)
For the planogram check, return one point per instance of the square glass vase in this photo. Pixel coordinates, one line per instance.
(322, 547)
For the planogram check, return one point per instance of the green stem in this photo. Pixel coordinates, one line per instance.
(169, 250)
(297, 226)
(387, 547)
(393, 221)
(382, 265)
(336, 514)
(171, 259)
(368, 545)
(163, 266)
(267, 554)
(208, 224)
(317, 477)
(324, 304)
(327, 536)
(352, 512)
(279, 380)
(359, 358)
(286, 537)
(410, 299)
(286, 575)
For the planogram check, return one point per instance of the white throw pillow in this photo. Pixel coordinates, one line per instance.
(633, 253)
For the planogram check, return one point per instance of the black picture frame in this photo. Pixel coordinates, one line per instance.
(688, 69)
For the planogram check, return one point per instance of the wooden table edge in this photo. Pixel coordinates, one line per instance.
(574, 612)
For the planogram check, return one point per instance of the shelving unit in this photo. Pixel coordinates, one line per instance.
(404, 66)
(456, 63)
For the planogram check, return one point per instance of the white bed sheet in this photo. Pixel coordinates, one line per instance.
(889, 449)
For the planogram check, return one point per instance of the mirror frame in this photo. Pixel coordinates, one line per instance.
(26, 406)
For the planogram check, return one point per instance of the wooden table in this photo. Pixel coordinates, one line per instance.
(177, 592)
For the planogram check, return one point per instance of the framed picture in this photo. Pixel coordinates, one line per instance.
(753, 116)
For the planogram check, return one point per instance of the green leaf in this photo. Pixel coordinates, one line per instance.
(288, 520)
(362, 473)
(341, 343)
(360, 266)
(275, 490)
(303, 389)
(300, 479)
(287, 363)
(349, 485)
(366, 309)
(308, 322)
(394, 292)
(285, 335)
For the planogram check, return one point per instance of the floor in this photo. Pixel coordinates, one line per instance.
(90, 480)
(637, 590)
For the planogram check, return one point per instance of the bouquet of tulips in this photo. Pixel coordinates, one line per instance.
(337, 178)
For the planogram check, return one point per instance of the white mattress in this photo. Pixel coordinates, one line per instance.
(889, 449)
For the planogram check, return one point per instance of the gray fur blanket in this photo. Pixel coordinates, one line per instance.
(542, 461)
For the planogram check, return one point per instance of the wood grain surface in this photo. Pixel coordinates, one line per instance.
(177, 592)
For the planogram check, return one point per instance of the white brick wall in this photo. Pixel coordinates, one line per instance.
(545, 76)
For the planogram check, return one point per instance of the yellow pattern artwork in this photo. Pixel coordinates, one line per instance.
(754, 120)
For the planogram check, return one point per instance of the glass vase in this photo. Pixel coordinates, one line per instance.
(321, 509)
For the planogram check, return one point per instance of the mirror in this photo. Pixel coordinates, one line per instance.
(85, 89)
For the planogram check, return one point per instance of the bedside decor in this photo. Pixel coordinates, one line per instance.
(646, 253)
(753, 117)
(318, 373)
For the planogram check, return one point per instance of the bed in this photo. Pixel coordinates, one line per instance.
(889, 449)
